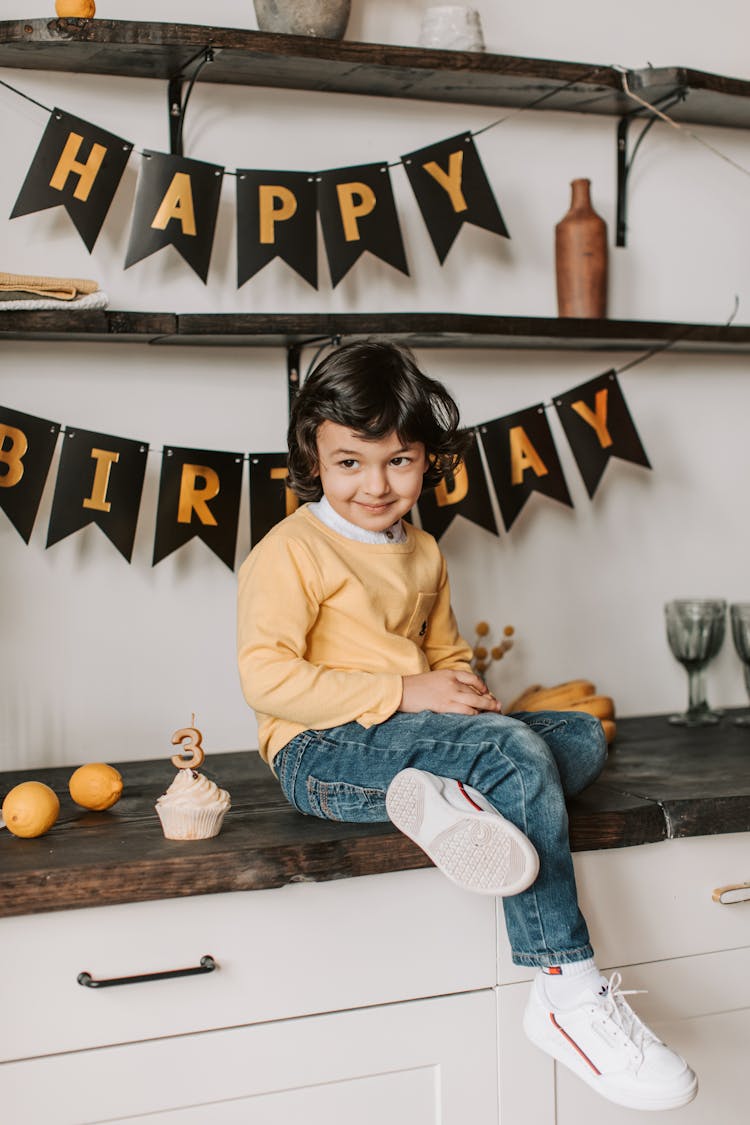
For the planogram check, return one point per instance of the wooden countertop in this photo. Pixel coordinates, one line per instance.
(660, 782)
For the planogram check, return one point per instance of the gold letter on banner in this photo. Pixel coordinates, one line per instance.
(12, 456)
(450, 180)
(523, 456)
(270, 215)
(177, 204)
(444, 495)
(194, 498)
(86, 172)
(104, 458)
(292, 499)
(596, 417)
(351, 211)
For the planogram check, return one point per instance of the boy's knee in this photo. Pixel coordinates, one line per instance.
(591, 742)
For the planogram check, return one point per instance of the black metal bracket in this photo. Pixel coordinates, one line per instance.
(175, 101)
(625, 161)
(293, 362)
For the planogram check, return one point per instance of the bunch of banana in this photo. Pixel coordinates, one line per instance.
(572, 695)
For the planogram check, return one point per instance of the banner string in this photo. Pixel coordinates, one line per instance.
(472, 132)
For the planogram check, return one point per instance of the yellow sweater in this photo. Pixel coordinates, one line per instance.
(327, 626)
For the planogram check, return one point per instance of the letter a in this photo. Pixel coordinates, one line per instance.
(177, 204)
(523, 456)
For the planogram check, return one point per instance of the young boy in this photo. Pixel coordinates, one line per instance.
(368, 709)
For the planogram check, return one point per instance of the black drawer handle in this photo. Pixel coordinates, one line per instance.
(207, 965)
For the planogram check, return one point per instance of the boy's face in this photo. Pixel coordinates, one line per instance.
(370, 483)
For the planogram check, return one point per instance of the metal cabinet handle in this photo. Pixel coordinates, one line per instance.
(733, 892)
(207, 965)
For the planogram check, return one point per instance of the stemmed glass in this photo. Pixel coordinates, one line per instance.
(695, 631)
(740, 617)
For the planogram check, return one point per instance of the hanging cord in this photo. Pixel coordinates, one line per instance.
(675, 339)
(21, 94)
(676, 125)
(538, 101)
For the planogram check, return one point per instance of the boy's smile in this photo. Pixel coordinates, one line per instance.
(370, 483)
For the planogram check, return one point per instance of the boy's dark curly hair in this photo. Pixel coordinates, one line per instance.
(375, 388)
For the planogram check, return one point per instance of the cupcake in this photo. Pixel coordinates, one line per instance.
(192, 808)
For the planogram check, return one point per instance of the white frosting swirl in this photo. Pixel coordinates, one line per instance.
(193, 790)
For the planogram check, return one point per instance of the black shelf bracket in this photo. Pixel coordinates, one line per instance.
(625, 160)
(294, 362)
(176, 104)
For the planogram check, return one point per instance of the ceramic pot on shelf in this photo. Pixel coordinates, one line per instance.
(581, 257)
(325, 19)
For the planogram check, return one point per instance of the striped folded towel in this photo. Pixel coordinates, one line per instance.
(51, 288)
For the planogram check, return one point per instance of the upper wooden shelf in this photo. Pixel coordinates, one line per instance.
(252, 58)
(419, 330)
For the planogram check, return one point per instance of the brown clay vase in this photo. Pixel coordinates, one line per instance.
(581, 257)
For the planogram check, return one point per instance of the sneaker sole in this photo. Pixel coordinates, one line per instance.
(561, 1052)
(481, 852)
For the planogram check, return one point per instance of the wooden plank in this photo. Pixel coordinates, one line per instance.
(95, 325)
(445, 330)
(253, 58)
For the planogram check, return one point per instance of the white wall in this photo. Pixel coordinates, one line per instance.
(101, 660)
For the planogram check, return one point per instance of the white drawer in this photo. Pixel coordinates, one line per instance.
(298, 950)
(654, 901)
(422, 1063)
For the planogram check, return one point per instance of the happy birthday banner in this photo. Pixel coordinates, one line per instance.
(79, 166)
(100, 477)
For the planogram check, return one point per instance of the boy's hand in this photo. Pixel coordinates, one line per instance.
(447, 691)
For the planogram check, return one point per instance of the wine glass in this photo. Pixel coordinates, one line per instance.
(695, 631)
(740, 617)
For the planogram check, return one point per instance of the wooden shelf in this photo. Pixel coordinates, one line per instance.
(419, 330)
(253, 58)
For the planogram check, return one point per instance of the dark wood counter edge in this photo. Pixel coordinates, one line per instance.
(660, 783)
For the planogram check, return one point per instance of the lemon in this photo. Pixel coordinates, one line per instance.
(30, 809)
(96, 786)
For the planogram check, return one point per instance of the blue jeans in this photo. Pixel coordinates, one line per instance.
(525, 764)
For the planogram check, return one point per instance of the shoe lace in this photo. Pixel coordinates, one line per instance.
(617, 1009)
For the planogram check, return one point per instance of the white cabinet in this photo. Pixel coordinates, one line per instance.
(427, 1062)
(383, 998)
(653, 903)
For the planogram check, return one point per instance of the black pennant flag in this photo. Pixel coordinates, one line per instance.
(26, 448)
(99, 480)
(358, 213)
(463, 493)
(270, 499)
(199, 494)
(176, 205)
(522, 459)
(276, 218)
(76, 166)
(598, 426)
(451, 187)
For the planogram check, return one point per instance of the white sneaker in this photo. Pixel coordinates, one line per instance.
(462, 833)
(602, 1041)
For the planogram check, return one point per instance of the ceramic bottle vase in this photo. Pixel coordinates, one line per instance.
(581, 257)
(322, 18)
